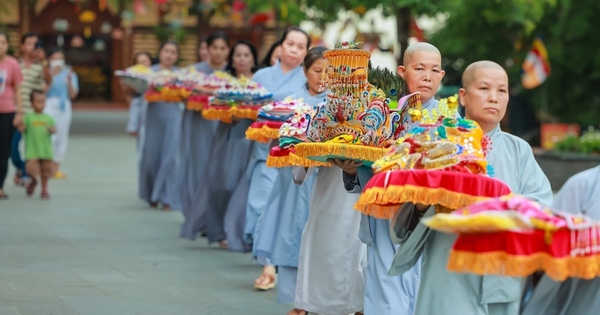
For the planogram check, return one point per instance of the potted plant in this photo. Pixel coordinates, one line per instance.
(569, 157)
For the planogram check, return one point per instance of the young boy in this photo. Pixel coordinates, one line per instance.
(485, 98)
(37, 128)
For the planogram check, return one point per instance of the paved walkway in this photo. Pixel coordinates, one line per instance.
(95, 248)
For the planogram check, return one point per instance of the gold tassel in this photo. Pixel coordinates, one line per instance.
(502, 264)
(348, 151)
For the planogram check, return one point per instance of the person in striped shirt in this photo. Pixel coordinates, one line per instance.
(36, 76)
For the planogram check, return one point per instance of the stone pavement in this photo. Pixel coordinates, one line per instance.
(95, 248)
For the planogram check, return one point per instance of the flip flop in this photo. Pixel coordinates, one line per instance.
(60, 175)
(45, 194)
(267, 286)
(3, 196)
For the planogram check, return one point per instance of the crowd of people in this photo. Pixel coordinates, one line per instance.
(36, 91)
(299, 223)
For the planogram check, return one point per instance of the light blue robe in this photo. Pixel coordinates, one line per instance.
(197, 141)
(281, 225)
(445, 293)
(384, 294)
(159, 161)
(261, 177)
(579, 195)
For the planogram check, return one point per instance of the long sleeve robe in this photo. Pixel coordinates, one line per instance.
(283, 221)
(260, 176)
(384, 294)
(445, 293)
(197, 141)
(579, 195)
(159, 160)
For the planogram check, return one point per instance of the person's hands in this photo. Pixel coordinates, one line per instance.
(39, 54)
(69, 78)
(18, 120)
(52, 129)
(348, 166)
(421, 207)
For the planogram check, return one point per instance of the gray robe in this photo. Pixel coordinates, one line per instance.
(445, 293)
(197, 140)
(579, 195)
(159, 161)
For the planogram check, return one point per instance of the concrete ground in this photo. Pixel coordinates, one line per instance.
(95, 248)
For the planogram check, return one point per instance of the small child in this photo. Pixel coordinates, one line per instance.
(37, 129)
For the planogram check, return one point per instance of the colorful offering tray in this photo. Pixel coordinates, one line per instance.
(204, 87)
(164, 87)
(355, 123)
(270, 118)
(441, 163)
(514, 236)
(219, 109)
(292, 132)
(136, 76)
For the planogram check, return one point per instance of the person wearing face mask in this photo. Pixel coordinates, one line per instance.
(283, 79)
(484, 95)
(197, 141)
(157, 183)
(220, 205)
(63, 89)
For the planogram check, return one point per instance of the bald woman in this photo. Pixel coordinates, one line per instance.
(384, 295)
(485, 98)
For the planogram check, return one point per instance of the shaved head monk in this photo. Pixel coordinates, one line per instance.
(485, 97)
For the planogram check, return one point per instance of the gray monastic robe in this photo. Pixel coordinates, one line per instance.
(445, 293)
(158, 162)
(579, 195)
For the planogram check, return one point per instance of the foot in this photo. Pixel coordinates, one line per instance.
(166, 208)
(3, 196)
(297, 311)
(45, 194)
(31, 187)
(265, 282)
(223, 244)
(60, 175)
(17, 178)
(154, 205)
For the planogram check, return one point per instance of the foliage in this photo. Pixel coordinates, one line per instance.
(502, 31)
(589, 143)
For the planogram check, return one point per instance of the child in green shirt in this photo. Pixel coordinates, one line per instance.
(38, 128)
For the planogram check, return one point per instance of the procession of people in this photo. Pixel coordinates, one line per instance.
(299, 223)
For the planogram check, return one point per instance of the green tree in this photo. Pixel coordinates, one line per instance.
(327, 11)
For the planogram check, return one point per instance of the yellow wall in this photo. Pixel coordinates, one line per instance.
(11, 16)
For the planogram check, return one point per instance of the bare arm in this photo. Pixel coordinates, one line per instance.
(72, 91)
(52, 129)
(18, 105)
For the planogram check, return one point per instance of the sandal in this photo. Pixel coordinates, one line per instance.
(154, 205)
(17, 178)
(166, 208)
(3, 196)
(45, 194)
(223, 244)
(60, 175)
(31, 187)
(265, 286)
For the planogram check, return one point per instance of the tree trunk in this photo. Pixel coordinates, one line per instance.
(403, 18)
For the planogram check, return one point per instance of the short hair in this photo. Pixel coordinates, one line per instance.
(296, 29)
(169, 42)
(34, 92)
(412, 49)
(229, 68)
(53, 51)
(313, 55)
(135, 57)
(470, 72)
(217, 35)
(28, 35)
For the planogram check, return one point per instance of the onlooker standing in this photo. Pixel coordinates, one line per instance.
(11, 112)
(34, 68)
(37, 128)
(63, 89)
